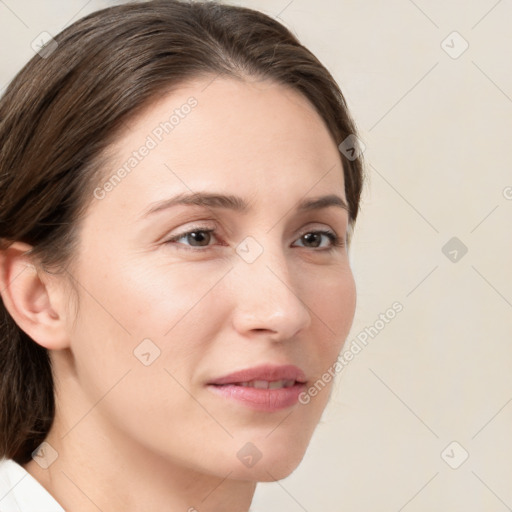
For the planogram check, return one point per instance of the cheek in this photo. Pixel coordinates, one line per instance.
(159, 310)
(161, 296)
(332, 302)
(137, 342)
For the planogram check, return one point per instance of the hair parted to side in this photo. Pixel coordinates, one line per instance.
(60, 114)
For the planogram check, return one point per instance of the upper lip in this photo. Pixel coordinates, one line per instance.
(264, 372)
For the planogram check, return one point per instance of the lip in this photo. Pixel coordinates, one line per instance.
(261, 399)
(263, 372)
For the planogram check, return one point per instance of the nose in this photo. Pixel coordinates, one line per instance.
(267, 298)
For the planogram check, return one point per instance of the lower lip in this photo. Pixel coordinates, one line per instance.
(268, 400)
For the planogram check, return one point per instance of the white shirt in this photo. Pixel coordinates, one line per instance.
(21, 492)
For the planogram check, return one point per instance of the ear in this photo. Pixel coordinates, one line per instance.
(32, 299)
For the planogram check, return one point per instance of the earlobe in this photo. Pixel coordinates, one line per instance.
(30, 298)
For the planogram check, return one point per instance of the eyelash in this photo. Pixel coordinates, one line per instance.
(336, 241)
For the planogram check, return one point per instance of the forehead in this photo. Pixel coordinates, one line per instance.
(245, 137)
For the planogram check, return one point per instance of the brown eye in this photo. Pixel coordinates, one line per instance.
(193, 238)
(313, 239)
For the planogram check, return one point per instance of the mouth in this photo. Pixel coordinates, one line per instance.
(263, 388)
(265, 384)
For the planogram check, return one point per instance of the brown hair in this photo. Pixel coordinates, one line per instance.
(60, 114)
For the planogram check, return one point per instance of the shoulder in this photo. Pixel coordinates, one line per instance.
(21, 492)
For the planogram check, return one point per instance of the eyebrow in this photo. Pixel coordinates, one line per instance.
(235, 203)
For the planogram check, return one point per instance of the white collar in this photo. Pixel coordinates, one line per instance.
(21, 492)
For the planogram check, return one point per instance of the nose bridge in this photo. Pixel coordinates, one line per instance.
(267, 296)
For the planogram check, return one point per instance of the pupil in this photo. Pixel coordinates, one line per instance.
(314, 237)
(199, 236)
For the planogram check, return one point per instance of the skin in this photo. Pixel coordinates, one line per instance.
(132, 437)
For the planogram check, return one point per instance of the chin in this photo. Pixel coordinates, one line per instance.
(279, 469)
(269, 470)
(268, 459)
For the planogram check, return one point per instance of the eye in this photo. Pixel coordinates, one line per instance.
(197, 237)
(200, 237)
(313, 239)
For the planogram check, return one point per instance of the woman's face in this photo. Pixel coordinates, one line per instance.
(163, 315)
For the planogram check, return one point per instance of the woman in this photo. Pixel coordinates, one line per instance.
(178, 192)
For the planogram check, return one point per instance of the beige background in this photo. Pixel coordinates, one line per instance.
(437, 133)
